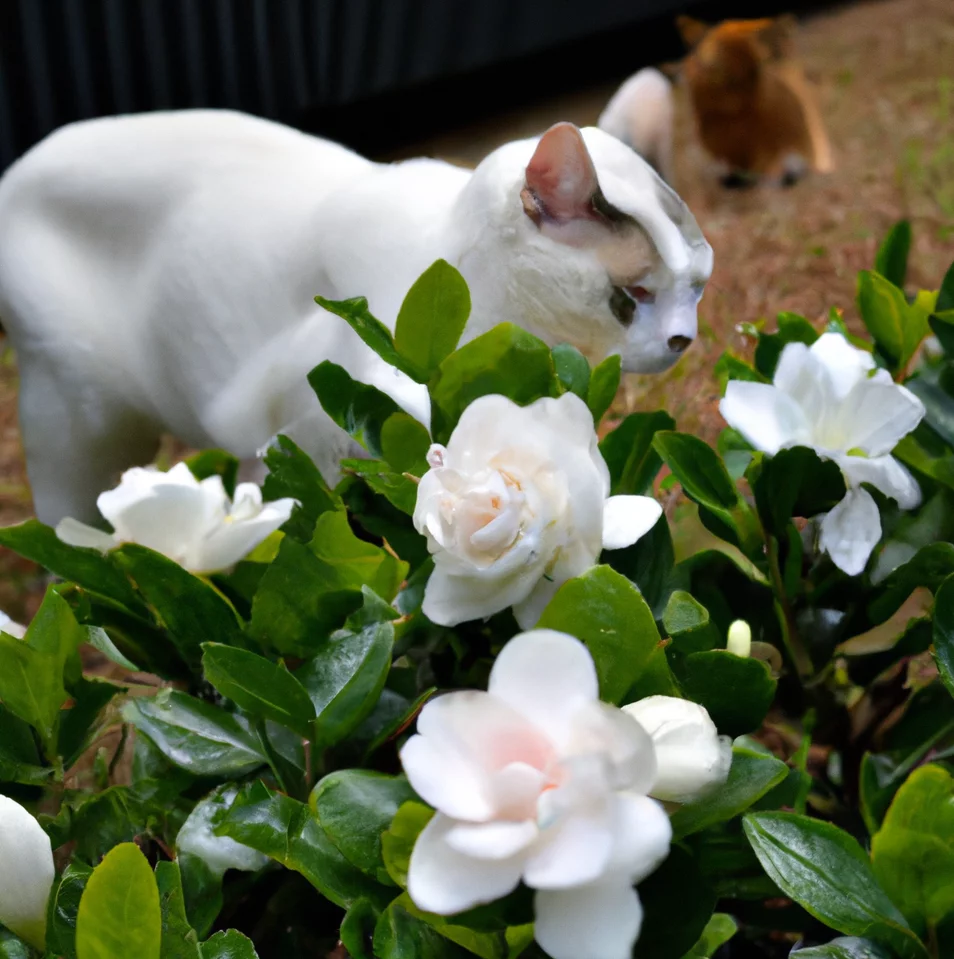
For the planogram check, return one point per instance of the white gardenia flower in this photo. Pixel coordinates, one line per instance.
(26, 873)
(516, 504)
(692, 759)
(830, 397)
(537, 780)
(192, 522)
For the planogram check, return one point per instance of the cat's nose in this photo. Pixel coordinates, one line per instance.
(679, 344)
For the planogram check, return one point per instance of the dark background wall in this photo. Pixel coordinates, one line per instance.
(371, 73)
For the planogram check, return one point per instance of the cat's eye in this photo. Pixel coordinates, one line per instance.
(640, 294)
(623, 306)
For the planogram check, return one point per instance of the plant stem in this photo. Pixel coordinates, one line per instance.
(793, 642)
(933, 946)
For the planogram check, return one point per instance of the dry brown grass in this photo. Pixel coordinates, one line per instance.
(885, 76)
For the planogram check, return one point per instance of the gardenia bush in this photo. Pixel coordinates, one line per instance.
(483, 698)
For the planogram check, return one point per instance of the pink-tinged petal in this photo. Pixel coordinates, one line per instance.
(547, 677)
(876, 416)
(446, 780)
(491, 840)
(768, 418)
(572, 849)
(851, 531)
(515, 790)
(884, 473)
(74, 533)
(598, 921)
(642, 833)
(444, 881)
(627, 518)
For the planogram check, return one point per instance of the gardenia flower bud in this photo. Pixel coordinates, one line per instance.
(192, 522)
(739, 639)
(516, 504)
(830, 397)
(692, 759)
(26, 873)
(537, 780)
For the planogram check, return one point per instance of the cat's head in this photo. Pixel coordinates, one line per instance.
(575, 237)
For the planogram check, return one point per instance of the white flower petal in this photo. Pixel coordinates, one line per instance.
(545, 676)
(884, 473)
(643, 834)
(444, 881)
(74, 533)
(231, 541)
(878, 415)
(247, 502)
(627, 518)
(692, 758)
(846, 365)
(26, 873)
(10, 627)
(598, 921)
(768, 418)
(573, 849)
(573, 560)
(491, 840)
(851, 531)
(802, 376)
(451, 598)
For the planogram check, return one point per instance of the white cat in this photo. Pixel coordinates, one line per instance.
(157, 273)
(641, 114)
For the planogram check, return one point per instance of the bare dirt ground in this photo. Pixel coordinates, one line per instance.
(885, 78)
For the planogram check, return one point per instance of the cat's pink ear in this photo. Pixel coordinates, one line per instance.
(561, 178)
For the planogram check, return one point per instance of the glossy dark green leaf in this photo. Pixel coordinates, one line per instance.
(119, 914)
(824, 869)
(179, 939)
(931, 387)
(792, 328)
(944, 632)
(345, 678)
(292, 473)
(78, 724)
(929, 567)
(355, 806)
(731, 367)
(397, 841)
(677, 903)
(359, 409)
(86, 567)
(194, 735)
(230, 944)
(572, 369)
(374, 333)
(751, 776)
(649, 563)
(215, 463)
(633, 462)
(604, 383)
(945, 295)
(942, 326)
(99, 639)
(878, 781)
(20, 759)
(289, 832)
(687, 622)
(357, 930)
(404, 444)
(63, 908)
(399, 934)
(432, 316)
(845, 947)
(258, 686)
(737, 692)
(605, 611)
(506, 360)
(396, 488)
(913, 851)
(892, 257)
(185, 606)
(896, 326)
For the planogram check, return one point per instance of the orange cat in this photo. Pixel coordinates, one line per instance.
(754, 109)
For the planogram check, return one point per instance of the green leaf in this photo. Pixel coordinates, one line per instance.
(572, 369)
(731, 367)
(99, 639)
(399, 934)
(677, 904)
(850, 947)
(604, 383)
(230, 944)
(792, 328)
(826, 872)
(374, 333)
(88, 568)
(649, 564)
(289, 832)
(78, 726)
(196, 736)
(292, 473)
(751, 776)
(892, 258)
(944, 632)
(945, 296)
(20, 760)
(942, 326)
(344, 680)
(404, 444)
(179, 939)
(360, 410)
(897, 327)
(190, 610)
(432, 316)
(399, 490)
(13, 948)
(63, 908)
(605, 611)
(397, 841)
(737, 692)
(506, 360)
(633, 462)
(119, 914)
(258, 686)
(215, 463)
(913, 852)
(357, 930)
(718, 931)
(355, 806)
(686, 621)
(929, 567)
